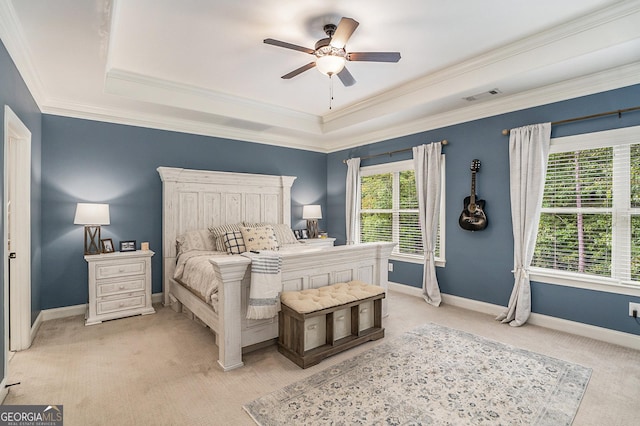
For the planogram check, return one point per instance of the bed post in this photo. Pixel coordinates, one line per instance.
(230, 272)
(169, 177)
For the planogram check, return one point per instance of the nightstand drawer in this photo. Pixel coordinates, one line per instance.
(119, 287)
(115, 305)
(107, 270)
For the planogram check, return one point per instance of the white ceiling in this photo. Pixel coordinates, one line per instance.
(201, 66)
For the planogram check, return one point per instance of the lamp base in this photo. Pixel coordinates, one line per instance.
(312, 228)
(92, 240)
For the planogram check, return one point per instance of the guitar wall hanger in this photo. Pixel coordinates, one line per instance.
(473, 217)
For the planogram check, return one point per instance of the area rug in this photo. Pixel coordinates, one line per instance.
(432, 375)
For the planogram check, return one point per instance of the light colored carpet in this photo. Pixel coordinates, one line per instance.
(161, 369)
(432, 375)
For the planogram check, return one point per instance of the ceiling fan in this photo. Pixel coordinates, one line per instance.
(331, 55)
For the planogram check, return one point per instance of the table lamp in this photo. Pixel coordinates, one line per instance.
(312, 213)
(92, 215)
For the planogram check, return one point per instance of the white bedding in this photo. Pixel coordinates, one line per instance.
(194, 271)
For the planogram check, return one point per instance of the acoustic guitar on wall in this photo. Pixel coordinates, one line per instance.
(473, 217)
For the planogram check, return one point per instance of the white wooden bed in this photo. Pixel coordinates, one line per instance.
(196, 199)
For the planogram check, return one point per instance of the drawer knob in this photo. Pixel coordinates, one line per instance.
(364, 310)
(341, 318)
(311, 327)
(121, 287)
(121, 304)
(121, 270)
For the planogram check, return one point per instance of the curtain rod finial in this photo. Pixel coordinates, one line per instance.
(445, 142)
(505, 132)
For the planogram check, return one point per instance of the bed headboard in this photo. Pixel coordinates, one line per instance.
(198, 199)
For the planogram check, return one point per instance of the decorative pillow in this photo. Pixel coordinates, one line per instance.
(259, 238)
(283, 232)
(199, 239)
(234, 243)
(219, 231)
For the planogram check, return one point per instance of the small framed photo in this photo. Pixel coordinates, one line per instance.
(128, 245)
(304, 234)
(107, 245)
(297, 233)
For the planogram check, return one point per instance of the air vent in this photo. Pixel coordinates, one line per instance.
(482, 95)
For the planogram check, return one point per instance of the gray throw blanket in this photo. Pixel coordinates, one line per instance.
(266, 284)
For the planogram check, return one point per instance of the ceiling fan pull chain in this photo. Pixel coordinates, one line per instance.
(330, 90)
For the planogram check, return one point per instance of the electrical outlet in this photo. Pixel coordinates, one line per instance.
(390, 267)
(634, 307)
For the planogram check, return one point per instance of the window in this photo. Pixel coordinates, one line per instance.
(389, 210)
(589, 231)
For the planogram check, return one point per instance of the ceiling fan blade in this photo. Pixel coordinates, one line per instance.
(346, 27)
(346, 78)
(299, 70)
(288, 45)
(374, 56)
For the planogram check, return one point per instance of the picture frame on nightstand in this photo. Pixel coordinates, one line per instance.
(107, 245)
(128, 245)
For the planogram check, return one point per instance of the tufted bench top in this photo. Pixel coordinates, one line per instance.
(311, 300)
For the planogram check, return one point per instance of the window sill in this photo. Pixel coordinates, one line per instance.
(415, 259)
(586, 282)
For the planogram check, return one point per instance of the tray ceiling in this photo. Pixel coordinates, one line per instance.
(202, 67)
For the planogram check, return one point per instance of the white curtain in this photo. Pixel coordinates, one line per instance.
(352, 202)
(427, 165)
(528, 155)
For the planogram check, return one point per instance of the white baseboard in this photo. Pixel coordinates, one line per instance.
(4, 391)
(591, 331)
(35, 327)
(71, 311)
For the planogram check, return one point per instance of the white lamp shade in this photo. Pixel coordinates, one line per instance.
(312, 211)
(92, 214)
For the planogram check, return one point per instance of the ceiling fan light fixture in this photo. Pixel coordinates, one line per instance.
(330, 60)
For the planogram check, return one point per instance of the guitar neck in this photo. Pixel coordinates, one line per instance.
(473, 188)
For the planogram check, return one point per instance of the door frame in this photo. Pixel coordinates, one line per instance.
(19, 298)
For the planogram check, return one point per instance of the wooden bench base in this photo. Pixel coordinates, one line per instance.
(308, 338)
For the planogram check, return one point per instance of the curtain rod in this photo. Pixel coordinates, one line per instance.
(390, 153)
(585, 117)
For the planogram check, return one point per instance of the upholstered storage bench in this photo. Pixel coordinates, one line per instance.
(317, 323)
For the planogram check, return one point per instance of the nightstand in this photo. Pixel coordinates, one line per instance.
(319, 242)
(119, 285)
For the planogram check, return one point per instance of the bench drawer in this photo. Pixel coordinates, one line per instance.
(341, 324)
(315, 332)
(366, 314)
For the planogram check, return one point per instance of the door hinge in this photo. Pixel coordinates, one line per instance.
(12, 255)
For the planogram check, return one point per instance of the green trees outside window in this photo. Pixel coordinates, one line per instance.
(389, 210)
(590, 220)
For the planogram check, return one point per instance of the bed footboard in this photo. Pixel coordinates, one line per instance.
(310, 268)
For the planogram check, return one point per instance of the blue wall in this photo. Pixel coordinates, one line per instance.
(89, 161)
(14, 93)
(479, 264)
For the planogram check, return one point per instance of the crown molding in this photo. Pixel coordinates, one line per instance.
(602, 28)
(117, 115)
(170, 93)
(15, 42)
(603, 81)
